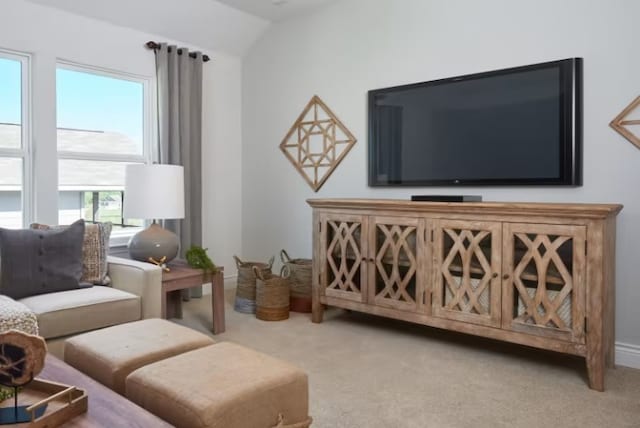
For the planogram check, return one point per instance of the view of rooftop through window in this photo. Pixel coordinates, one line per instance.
(11, 153)
(100, 120)
(10, 94)
(99, 114)
(100, 129)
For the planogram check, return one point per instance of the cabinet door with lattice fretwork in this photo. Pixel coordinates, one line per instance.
(467, 265)
(544, 280)
(343, 250)
(396, 262)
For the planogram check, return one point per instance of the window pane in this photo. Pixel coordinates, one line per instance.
(11, 193)
(10, 103)
(86, 175)
(91, 190)
(98, 206)
(99, 114)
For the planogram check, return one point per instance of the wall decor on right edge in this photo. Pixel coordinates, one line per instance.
(621, 123)
(316, 143)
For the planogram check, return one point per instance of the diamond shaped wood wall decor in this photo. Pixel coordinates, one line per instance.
(621, 123)
(316, 143)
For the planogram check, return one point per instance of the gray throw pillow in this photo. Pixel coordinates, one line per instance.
(95, 250)
(40, 261)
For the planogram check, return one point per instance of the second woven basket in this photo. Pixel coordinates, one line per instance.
(272, 295)
(299, 282)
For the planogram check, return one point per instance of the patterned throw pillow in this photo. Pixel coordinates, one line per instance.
(95, 249)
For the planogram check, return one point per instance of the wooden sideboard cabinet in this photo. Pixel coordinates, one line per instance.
(535, 274)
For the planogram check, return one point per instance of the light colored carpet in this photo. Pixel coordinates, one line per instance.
(372, 372)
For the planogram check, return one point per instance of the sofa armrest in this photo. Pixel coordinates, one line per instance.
(141, 279)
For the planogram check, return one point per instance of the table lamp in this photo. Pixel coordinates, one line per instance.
(154, 192)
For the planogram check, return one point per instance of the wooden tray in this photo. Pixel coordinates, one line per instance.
(63, 402)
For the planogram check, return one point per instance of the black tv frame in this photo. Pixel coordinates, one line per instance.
(571, 118)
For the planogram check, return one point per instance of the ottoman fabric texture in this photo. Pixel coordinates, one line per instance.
(222, 386)
(111, 354)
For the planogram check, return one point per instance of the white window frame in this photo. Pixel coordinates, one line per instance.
(121, 237)
(25, 152)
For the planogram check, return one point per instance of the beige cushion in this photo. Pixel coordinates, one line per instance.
(72, 311)
(222, 386)
(111, 354)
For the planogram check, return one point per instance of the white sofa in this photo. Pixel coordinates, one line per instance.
(135, 293)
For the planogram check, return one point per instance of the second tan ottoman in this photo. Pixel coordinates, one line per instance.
(223, 386)
(111, 354)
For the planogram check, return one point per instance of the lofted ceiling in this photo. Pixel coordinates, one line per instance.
(204, 23)
(276, 10)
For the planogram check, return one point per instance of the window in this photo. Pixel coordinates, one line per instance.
(102, 126)
(14, 140)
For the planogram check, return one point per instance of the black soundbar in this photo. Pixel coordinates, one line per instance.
(446, 198)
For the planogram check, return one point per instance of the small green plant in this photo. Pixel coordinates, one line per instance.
(5, 393)
(197, 258)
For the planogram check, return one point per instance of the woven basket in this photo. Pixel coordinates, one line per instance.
(272, 295)
(299, 282)
(246, 288)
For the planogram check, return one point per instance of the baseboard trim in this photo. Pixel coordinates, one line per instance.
(230, 281)
(628, 355)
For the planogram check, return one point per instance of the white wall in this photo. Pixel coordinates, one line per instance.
(48, 34)
(207, 23)
(357, 45)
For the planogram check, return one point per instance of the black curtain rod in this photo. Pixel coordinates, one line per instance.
(153, 45)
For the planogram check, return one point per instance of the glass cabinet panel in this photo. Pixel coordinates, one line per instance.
(544, 272)
(396, 246)
(467, 280)
(343, 251)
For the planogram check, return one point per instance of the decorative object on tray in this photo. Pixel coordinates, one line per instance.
(197, 258)
(316, 143)
(272, 295)
(299, 282)
(154, 192)
(246, 288)
(21, 358)
(622, 123)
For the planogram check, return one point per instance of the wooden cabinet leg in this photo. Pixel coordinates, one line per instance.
(317, 309)
(610, 360)
(595, 371)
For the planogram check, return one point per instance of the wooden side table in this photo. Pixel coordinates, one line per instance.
(182, 277)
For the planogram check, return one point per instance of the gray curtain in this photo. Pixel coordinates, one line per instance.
(180, 133)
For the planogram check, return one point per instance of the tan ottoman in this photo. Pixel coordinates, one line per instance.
(223, 386)
(110, 354)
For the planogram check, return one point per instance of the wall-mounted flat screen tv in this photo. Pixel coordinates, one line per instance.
(517, 126)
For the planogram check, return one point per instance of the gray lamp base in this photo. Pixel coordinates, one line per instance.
(154, 242)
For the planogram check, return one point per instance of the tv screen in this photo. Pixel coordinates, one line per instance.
(516, 126)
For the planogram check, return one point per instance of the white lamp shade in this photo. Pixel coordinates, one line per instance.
(154, 192)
